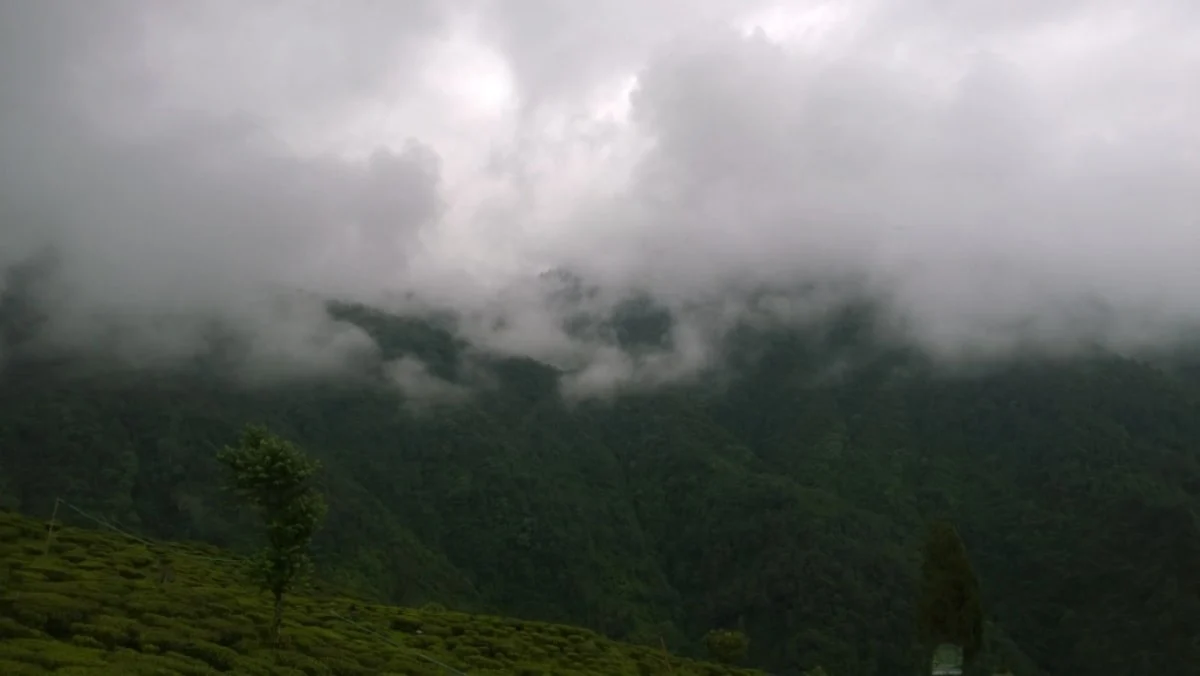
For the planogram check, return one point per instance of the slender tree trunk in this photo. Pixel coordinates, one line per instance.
(277, 622)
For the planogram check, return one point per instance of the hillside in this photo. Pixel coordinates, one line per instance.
(97, 604)
(783, 497)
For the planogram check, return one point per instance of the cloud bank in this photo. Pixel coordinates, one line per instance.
(1005, 180)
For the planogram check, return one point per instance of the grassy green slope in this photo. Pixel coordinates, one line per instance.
(95, 604)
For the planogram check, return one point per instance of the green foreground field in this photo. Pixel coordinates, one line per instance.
(98, 603)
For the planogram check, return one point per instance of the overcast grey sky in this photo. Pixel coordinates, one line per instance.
(983, 164)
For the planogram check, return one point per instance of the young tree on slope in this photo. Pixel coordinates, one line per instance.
(949, 609)
(277, 478)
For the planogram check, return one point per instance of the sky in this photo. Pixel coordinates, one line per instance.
(993, 170)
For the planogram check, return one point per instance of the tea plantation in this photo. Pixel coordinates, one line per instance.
(92, 602)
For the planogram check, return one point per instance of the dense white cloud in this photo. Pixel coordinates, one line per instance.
(993, 171)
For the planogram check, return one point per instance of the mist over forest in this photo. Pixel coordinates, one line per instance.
(655, 318)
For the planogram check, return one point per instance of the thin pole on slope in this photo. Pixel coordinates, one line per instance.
(666, 655)
(50, 526)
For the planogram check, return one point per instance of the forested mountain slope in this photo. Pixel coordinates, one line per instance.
(781, 496)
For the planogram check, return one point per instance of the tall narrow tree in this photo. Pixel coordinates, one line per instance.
(277, 478)
(949, 608)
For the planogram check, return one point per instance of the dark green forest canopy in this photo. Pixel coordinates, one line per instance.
(777, 498)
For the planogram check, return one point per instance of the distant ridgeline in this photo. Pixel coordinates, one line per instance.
(783, 498)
